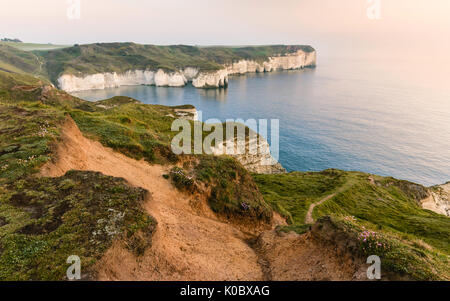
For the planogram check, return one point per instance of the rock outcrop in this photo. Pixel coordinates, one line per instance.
(256, 156)
(439, 199)
(199, 79)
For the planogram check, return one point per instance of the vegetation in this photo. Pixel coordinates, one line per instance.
(11, 40)
(233, 191)
(121, 57)
(18, 61)
(292, 194)
(32, 46)
(378, 210)
(45, 220)
(409, 258)
(181, 180)
(48, 62)
(130, 127)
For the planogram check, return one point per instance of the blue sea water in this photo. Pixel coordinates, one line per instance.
(387, 117)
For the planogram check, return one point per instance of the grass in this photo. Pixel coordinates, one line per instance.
(18, 61)
(386, 205)
(45, 220)
(48, 62)
(33, 46)
(233, 191)
(82, 213)
(26, 137)
(292, 194)
(121, 57)
(410, 258)
(40, 218)
(130, 127)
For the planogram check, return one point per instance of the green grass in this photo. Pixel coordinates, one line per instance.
(35, 246)
(292, 194)
(32, 235)
(48, 62)
(409, 257)
(46, 220)
(389, 206)
(121, 57)
(26, 137)
(18, 61)
(130, 127)
(33, 46)
(233, 191)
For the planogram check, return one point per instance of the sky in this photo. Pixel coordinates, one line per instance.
(416, 27)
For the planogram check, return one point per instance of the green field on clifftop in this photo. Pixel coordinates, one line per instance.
(39, 217)
(122, 57)
(419, 239)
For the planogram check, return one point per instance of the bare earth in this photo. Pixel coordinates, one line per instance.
(293, 257)
(309, 219)
(191, 244)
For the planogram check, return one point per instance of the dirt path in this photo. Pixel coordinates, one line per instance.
(309, 219)
(293, 257)
(186, 246)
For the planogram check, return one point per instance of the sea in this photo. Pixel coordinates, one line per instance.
(383, 116)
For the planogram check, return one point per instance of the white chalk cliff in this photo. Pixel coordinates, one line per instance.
(254, 154)
(439, 200)
(214, 79)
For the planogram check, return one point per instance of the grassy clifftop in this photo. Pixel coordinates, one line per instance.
(376, 210)
(40, 222)
(45, 220)
(18, 61)
(50, 63)
(121, 57)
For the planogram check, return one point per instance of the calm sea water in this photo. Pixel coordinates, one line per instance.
(387, 117)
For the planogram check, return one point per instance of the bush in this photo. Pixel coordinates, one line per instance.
(180, 179)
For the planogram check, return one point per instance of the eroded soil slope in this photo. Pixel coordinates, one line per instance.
(192, 244)
(186, 246)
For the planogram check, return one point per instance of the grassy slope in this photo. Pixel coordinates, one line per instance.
(390, 208)
(81, 213)
(43, 220)
(31, 246)
(137, 130)
(233, 191)
(18, 61)
(33, 46)
(121, 57)
(417, 239)
(49, 64)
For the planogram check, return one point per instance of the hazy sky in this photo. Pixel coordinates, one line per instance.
(412, 26)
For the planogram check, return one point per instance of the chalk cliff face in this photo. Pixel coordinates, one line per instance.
(71, 83)
(258, 161)
(297, 60)
(439, 199)
(215, 79)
